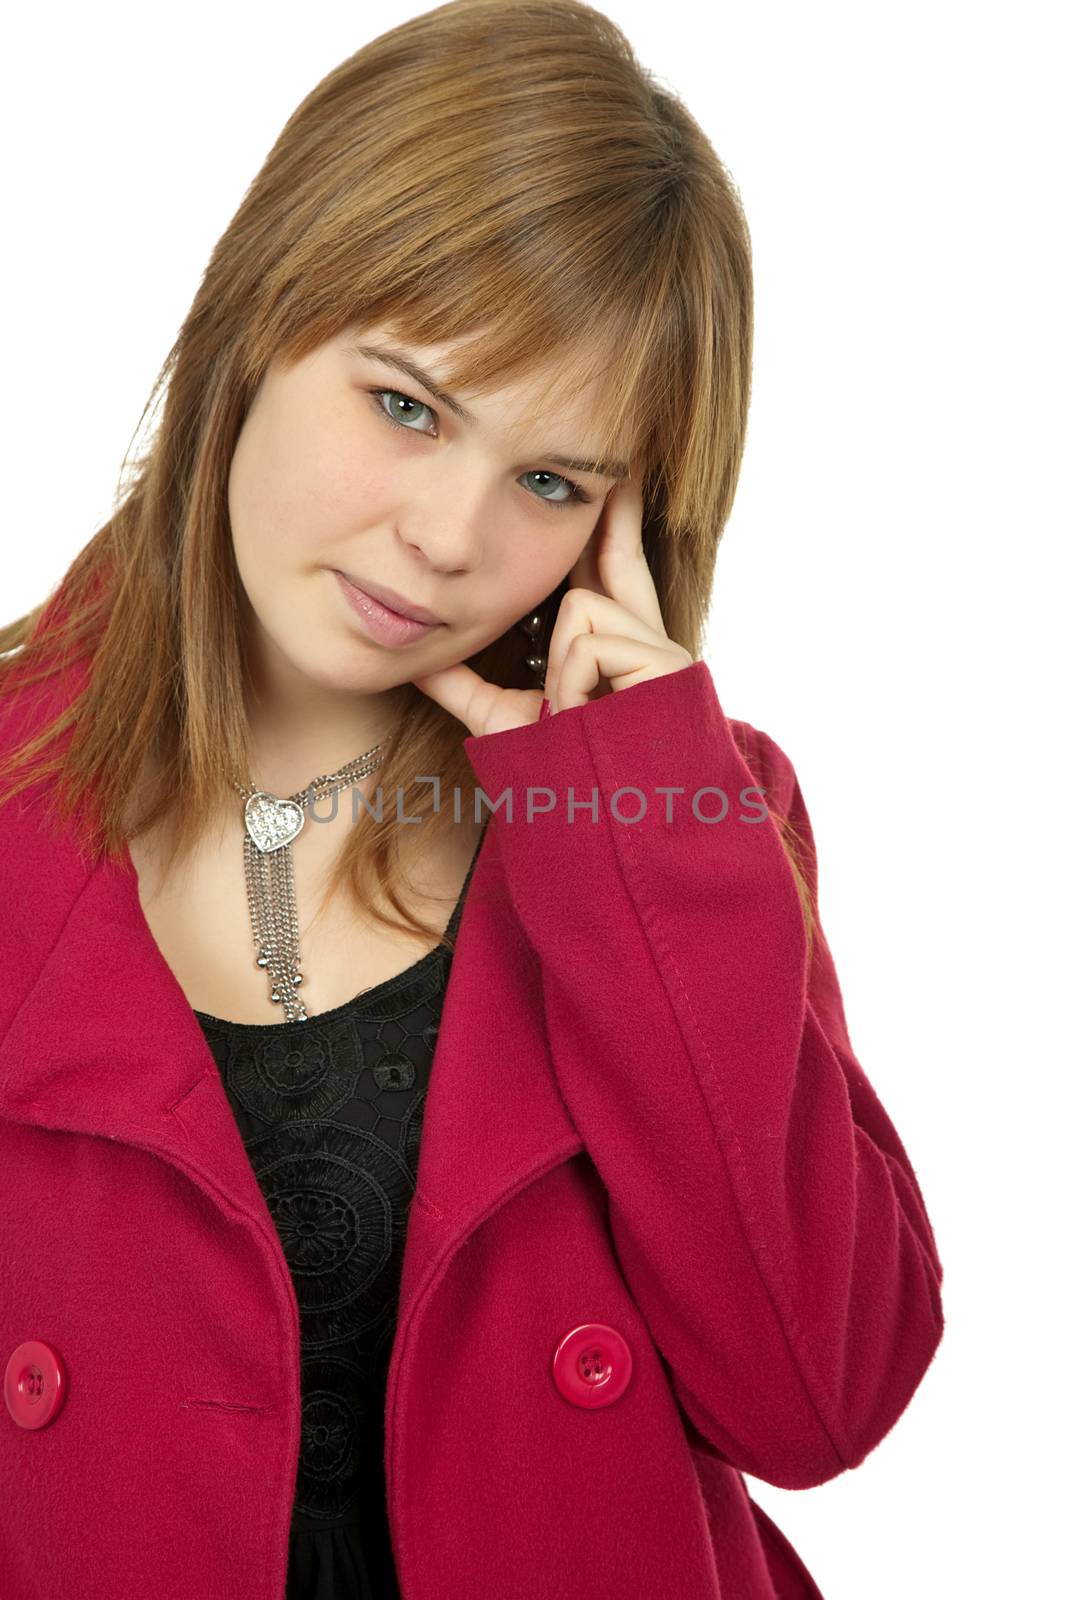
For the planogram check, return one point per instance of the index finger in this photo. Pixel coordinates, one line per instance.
(619, 555)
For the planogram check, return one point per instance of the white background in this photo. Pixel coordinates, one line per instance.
(887, 597)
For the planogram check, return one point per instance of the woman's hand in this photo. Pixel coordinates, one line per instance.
(609, 627)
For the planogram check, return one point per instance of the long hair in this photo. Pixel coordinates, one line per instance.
(502, 166)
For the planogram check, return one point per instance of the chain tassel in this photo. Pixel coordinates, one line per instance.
(271, 825)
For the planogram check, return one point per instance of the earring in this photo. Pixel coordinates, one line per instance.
(533, 625)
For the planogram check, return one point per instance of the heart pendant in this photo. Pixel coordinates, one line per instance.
(272, 823)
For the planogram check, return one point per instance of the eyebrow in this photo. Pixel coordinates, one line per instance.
(403, 363)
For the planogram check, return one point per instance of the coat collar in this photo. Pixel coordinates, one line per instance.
(105, 1043)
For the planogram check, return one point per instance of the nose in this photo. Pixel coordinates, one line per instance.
(446, 527)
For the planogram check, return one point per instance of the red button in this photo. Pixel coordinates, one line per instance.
(35, 1384)
(592, 1365)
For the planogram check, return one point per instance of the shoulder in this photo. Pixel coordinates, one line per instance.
(29, 834)
(27, 707)
(767, 761)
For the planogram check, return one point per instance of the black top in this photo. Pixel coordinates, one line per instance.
(330, 1111)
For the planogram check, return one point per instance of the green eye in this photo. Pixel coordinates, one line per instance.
(406, 398)
(576, 495)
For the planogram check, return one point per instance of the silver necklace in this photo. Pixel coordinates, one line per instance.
(271, 825)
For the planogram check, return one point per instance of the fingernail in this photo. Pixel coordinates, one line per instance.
(546, 710)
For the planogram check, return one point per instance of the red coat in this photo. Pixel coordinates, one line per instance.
(664, 1233)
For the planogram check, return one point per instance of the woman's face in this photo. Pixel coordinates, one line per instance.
(469, 519)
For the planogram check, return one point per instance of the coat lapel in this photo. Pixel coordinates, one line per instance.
(105, 1043)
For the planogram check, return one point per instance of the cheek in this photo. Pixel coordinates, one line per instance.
(535, 566)
(349, 476)
(520, 583)
(301, 482)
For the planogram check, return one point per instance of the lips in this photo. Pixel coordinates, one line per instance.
(394, 601)
(380, 622)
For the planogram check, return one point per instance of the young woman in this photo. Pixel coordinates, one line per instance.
(433, 1158)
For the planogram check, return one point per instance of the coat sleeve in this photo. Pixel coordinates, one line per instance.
(764, 1212)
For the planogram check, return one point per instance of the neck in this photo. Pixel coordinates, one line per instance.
(299, 729)
(287, 753)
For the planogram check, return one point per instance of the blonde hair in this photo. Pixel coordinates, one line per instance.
(505, 166)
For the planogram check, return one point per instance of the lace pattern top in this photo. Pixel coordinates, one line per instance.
(330, 1112)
